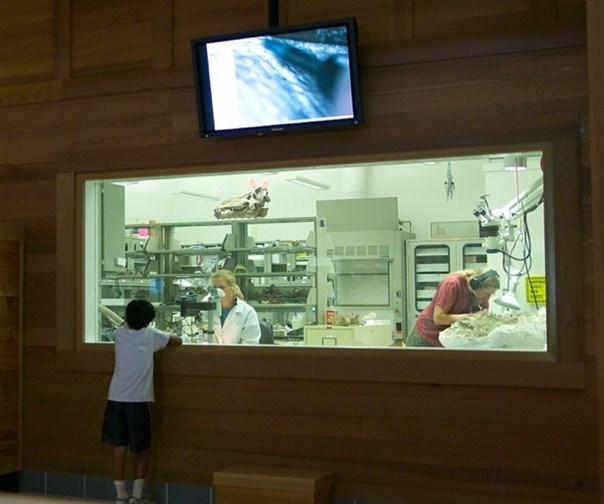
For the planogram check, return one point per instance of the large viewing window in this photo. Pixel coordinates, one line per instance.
(367, 242)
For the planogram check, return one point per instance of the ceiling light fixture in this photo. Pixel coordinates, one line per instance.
(197, 195)
(126, 182)
(312, 184)
(515, 162)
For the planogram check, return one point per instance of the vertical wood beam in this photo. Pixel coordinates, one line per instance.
(62, 39)
(66, 260)
(163, 34)
(595, 62)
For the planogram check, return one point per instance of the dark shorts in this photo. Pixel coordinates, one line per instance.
(127, 424)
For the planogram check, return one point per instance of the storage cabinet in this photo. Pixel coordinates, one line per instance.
(368, 273)
(367, 335)
(280, 264)
(11, 299)
(429, 261)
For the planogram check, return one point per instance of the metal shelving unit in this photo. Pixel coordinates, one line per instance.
(281, 277)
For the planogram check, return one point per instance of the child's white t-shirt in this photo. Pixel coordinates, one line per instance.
(132, 379)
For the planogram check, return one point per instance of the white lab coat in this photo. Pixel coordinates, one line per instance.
(240, 326)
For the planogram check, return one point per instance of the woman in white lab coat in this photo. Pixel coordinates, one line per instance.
(238, 320)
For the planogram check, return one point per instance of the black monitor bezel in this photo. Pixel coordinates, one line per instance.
(203, 92)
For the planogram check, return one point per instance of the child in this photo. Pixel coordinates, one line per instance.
(127, 419)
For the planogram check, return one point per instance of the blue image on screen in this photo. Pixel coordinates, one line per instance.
(292, 78)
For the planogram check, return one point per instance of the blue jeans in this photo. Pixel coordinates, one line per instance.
(415, 340)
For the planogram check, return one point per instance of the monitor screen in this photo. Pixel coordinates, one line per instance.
(278, 79)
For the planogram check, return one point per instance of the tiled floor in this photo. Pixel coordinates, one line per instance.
(103, 489)
(75, 487)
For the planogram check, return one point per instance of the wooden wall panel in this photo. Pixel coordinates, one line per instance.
(111, 35)
(436, 18)
(387, 442)
(26, 41)
(194, 19)
(595, 30)
(373, 18)
(567, 10)
(11, 364)
(390, 437)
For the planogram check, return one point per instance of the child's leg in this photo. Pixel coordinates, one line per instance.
(119, 471)
(142, 461)
(119, 463)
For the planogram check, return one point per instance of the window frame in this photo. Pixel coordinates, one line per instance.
(561, 366)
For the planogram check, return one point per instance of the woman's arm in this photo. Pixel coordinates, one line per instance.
(250, 333)
(442, 317)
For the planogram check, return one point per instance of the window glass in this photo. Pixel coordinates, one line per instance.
(363, 247)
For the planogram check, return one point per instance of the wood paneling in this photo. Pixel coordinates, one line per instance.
(26, 41)
(373, 18)
(507, 73)
(595, 30)
(194, 19)
(11, 292)
(163, 33)
(436, 17)
(111, 35)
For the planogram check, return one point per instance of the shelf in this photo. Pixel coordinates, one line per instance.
(152, 276)
(178, 252)
(432, 268)
(225, 222)
(282, 306)
(279, 274)
(126, 281)
(260, 250)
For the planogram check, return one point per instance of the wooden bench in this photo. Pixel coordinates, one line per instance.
(272, 485)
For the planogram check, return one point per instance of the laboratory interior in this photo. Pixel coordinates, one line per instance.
(328, 256)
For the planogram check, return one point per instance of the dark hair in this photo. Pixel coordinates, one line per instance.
(139, 313)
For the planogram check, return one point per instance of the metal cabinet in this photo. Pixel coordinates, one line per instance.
(366, 335)
(429, 261)
(368, 273)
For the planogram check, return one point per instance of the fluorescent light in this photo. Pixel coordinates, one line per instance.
(197, 195)
(312, 184)
(517, 162)
(126, 182)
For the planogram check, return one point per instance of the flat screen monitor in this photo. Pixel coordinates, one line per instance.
(278, 79)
